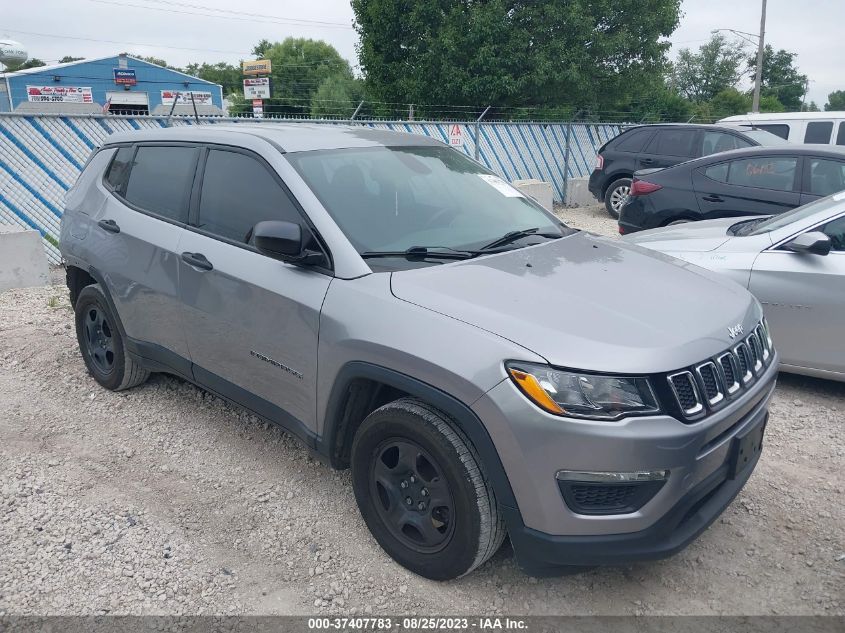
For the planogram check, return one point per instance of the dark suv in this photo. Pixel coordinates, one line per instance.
(646, 146)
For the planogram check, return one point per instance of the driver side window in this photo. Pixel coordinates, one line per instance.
(238, 192)
(836, 231)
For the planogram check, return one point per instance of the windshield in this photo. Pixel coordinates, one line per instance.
(390, 199)
(784, 219)
(765, 138)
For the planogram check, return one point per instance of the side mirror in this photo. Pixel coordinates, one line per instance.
(814, 242)
(283, 241)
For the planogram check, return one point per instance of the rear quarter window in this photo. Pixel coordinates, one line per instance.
(119, 168)
(818, 132)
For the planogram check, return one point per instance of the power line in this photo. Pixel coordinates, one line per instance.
(277, 20)
(254, 15)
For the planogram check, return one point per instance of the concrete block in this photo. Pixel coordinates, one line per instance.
(577, 193)
(537, 189)
(23, 262)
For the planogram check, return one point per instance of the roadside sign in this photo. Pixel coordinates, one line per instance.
(59, 94)
(257, 67)
(257, 88)
(125, 76)
(182, 97)
(456, 136)
(257, 108)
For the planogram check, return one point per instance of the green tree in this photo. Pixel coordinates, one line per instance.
(70, 58)
(835, 101)
(227, 75)
(509, 53)
(810, 107)
(30, 63)
(338, 96)
(300, 66)
(158, 61)
(728, 102)
(780, 77)
(717, 66)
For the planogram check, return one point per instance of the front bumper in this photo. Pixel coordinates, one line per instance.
(546, 533)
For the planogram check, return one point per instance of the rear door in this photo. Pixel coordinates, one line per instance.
(821, 177)
(670, 146)
(137, 238)
(760, 185)
(804, 299)
(251, 321)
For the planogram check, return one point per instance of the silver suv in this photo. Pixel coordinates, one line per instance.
(482, 368)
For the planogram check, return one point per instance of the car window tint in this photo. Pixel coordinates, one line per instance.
(836, 231)
(826, 177)
(119, 167)
(840, 135)
(633, 141)
(673, 142)
(715, 142)
(776, 173)
(718, 172)
(818, 132)
(160, 180)
(778, 129)
(238, 192)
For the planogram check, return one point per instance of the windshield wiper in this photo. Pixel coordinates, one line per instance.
(746, 226)
(424, 252)
(512, 236)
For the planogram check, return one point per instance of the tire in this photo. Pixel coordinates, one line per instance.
(101, 343)
(614, 196)
(405, 450)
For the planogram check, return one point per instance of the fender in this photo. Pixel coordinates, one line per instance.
(463, 415)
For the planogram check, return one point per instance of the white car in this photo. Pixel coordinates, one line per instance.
(794, 263)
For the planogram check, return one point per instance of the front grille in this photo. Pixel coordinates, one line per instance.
(710, 384)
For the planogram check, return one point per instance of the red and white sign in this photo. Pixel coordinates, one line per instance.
(59, 94)
(257, 88)
(183, 97)
(257, 108)
(456, 136)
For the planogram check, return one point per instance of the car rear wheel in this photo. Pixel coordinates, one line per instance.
(616, 196)
(422, 493)
(101, 343)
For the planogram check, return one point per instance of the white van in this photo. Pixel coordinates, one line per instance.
(797, 127)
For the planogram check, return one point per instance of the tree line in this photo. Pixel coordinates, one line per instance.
(586, 59)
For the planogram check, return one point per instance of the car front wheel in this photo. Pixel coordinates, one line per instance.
(422, 492)
(616, 196)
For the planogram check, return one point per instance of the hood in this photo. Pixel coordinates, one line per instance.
(698, 237)
(586, 302)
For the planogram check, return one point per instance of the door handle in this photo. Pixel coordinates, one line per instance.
(197, 260)
(712, 198)
(109, 225)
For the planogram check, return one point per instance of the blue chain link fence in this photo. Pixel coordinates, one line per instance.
(41, 156)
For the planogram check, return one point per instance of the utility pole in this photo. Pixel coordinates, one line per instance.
(755, 105)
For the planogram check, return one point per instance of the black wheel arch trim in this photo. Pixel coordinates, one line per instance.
(461, 413)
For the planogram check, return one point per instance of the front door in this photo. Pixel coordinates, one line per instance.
(251, 321)
(803, 296)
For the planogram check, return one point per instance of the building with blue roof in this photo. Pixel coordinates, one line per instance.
(121, 84)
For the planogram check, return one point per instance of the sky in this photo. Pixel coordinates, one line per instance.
(183, 31)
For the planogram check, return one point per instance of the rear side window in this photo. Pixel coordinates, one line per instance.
(818, 132)
(826, 177)
(160, 180)
(673, 142)
(774, 172)
(633, 141)
(778, 129)
(716, 142)
(840, 135)
(238, 192)
(119, 167)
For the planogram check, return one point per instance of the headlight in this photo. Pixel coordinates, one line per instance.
(583, 395)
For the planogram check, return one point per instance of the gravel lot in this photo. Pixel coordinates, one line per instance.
(166, 500)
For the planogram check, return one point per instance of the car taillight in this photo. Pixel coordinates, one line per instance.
(643, 187)
(599, 162)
